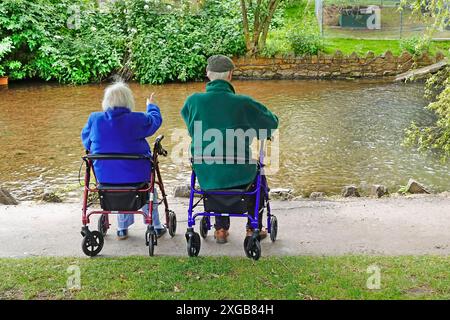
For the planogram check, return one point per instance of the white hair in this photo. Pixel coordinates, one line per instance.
(118, 95)
(217, 75)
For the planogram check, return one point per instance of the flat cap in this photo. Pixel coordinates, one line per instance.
(219, 63)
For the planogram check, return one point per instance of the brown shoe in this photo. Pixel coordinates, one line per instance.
(221, 236)
(262, 233)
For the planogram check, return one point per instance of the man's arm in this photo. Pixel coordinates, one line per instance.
(185, 114)
(261, 117)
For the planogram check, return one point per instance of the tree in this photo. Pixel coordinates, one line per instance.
(436, 136)
(255, 33)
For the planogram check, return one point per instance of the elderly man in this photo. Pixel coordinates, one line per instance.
(219, 110)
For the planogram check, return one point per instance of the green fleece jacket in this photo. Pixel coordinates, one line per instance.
(208, 117)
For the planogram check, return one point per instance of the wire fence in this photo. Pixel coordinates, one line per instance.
(374, 19)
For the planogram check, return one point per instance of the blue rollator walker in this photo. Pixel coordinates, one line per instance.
(232, 203)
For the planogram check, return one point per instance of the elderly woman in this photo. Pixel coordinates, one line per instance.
(120, 130)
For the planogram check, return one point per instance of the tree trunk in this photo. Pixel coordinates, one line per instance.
(256, 40)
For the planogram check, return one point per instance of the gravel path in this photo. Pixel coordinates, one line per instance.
(392, 226)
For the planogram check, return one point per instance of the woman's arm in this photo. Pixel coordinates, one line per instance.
(85, 134)
(153, 120)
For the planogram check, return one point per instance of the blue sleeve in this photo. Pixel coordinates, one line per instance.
(152, 122)
(86, 133)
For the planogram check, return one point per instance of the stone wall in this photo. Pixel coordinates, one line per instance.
(336, 66)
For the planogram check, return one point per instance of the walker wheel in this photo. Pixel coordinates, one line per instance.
(172, 223)
(151, 244)
(92, 243)
(103, 225)
(204, 227)
(193, 244)
(252, 248)
(273, 228)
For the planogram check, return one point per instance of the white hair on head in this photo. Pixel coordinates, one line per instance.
(217, 75)
(118, 95)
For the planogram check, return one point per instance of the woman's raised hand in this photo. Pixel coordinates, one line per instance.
(150, 100)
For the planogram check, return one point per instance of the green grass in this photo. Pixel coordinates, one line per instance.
(226, 278)
(362, 46)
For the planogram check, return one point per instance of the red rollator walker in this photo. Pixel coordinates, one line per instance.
(124, 199)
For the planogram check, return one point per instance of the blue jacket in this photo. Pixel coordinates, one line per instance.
(118, 130)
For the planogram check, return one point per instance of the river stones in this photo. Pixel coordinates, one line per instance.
(317, 195)
(182, 191)
(415, 187)
(281, 194)
(51, 197)
(350, 191)
(379, 190)
(6, 198)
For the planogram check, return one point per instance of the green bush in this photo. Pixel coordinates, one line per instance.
(174, 46)
(5, 48)
(295, 31)
(415, 45)
(305, 40)
(437, 136)
(141, 39)
(88, 53)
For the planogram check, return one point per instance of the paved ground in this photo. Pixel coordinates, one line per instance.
(391, 226)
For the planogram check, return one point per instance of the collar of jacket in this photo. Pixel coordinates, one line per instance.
(219, 86)
(117, 111)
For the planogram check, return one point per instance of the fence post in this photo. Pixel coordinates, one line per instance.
(401, 23)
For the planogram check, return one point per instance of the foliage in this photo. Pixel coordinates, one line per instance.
(437, 136)
(5, 48)
(306, 39)
(294, 26)
(79, 41)
(88, 52)
(438, 10)
(173, 46)
(415, 45)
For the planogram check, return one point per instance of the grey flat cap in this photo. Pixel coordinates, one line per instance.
(219, 63)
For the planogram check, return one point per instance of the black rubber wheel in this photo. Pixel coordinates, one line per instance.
(172, 223)
(273, 228)
(151, 244)
(92, 243)
(193, 244)
(204, 227)
(252, 248)
(102, 227)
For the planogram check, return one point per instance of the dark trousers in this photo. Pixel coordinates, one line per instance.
(224, 222)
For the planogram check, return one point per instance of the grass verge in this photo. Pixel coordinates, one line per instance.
(362, 46)
(425, 277)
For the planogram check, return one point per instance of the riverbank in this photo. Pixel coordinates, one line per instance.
(410, 225)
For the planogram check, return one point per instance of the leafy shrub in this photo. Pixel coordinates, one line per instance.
(144, 39)
(415, 45)
(437, 136)
(294, 26)
(305, 40)
(5, 48)
(173, 46)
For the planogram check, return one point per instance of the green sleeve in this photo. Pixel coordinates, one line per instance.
(261, 117)
(185, 113)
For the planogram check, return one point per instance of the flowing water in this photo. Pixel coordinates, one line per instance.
(332, 133)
